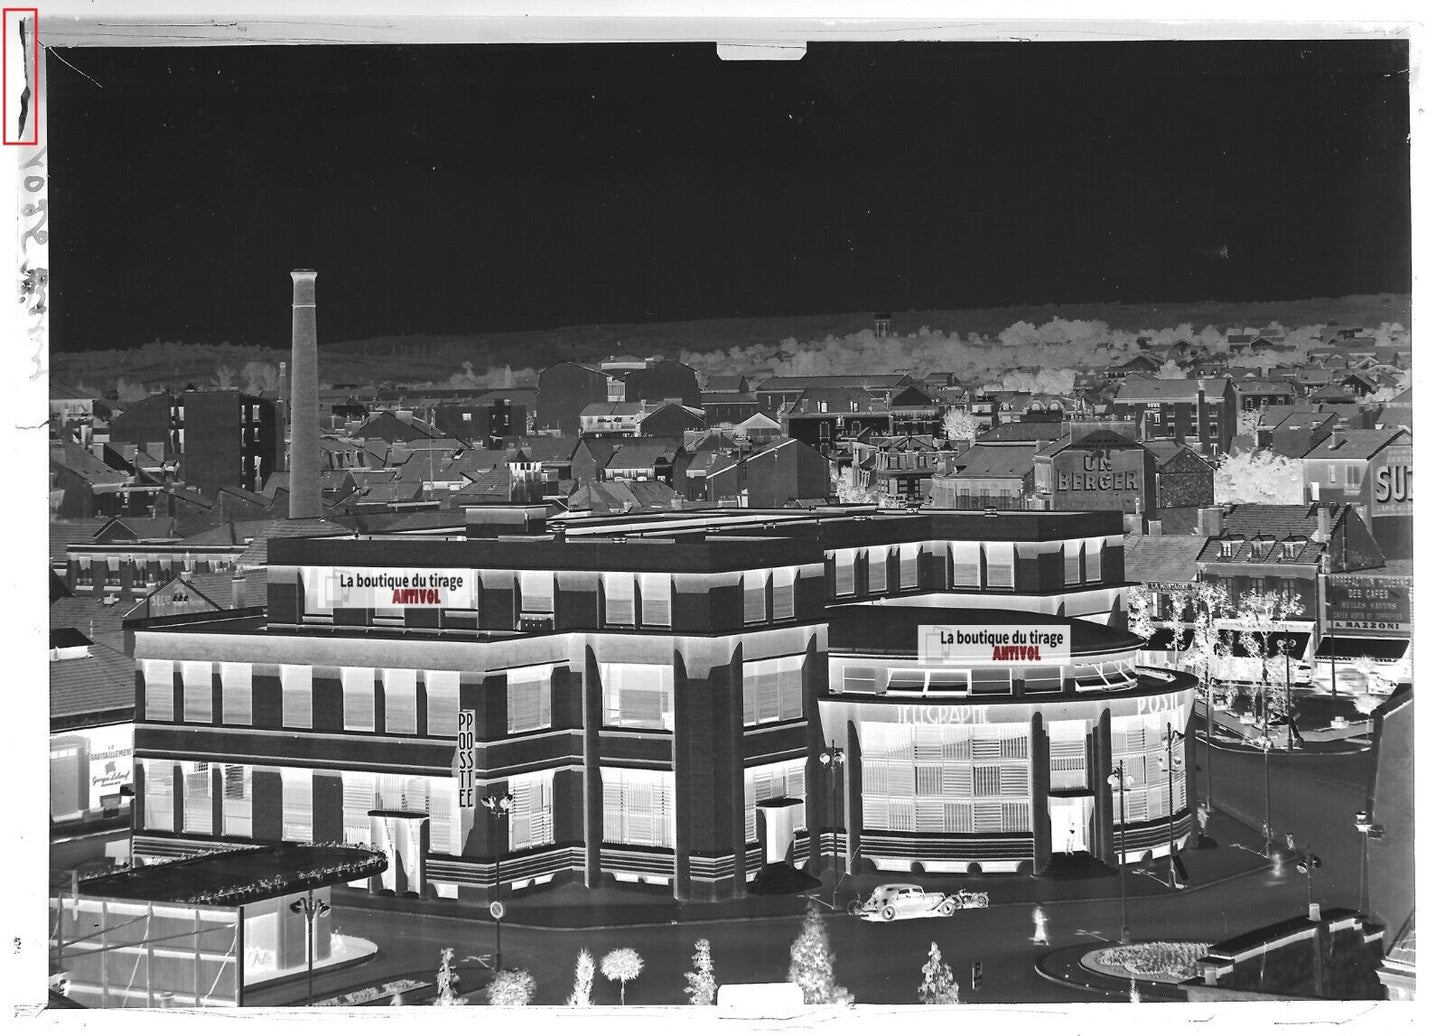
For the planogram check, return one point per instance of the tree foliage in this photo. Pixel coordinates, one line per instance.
(511, 989)
(959, 426)
(812, 960)
(1259, 477)
(701, 983)
(938, 986)
(585, 971)
(1141, 619)
(622, 966)
(447, 982)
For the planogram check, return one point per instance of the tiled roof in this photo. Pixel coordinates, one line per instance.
(786, 383)
(72, 530)
(647, 455)
(1256, 387)
(255, 554)
(1355, 444)
(97, 620)
(73, 458)
(102, 681)
(1162, 559)
(617, 408)
(1181, 390)
(995, 462)
(840, 400)
(547, 449)
(1023, 431)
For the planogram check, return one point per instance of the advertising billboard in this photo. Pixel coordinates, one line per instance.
(1374, 603)
(990, 644)
(1392, 486)
(1102, 479)
(391, 588)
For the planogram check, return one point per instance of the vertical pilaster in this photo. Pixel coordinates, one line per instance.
(688, 803)
(591, 770)
(853, 789)
(1041, 785)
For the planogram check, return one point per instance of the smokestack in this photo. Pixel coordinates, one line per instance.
(283, 403)
(305, 463)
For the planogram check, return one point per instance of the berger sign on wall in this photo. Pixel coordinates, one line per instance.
(991, 644)
(401, 588)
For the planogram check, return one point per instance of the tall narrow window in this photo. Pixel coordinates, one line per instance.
(446, 834)
(621, 605)
(358, 799)
(160, 795)
(784, 581)
(531, 823)
(877, 569)
(443, 701)
(236, 693)
(1093, 560)
(236, 801)
(637, 807)
(1073, 563)
(399, 688)
(160, 689)
(537, 589)
(358, 698)
(755, 597)
(198, 798)
(196, 681)
(908, 565)
(656, 598)
(296, 805)
(529, 699)
(637, 695)
(967, 569)
(843, 572)
(296, 696)
(1000, 565)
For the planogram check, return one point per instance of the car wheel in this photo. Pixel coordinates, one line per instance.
(888, 913)
(856, 907)
(947, 907)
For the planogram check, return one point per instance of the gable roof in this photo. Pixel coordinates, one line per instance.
(72, 457)
(642, 455)
(1179, 390)
(101, 681)
(839, 399)
(995, 462)
(254, 556)
(1162, 559)
(1356, 444)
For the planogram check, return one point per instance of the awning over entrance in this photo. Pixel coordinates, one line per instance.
(1362, 647)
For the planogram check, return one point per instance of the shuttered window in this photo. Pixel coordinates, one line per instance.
(843, 572)
(236, 693)
(399, 691)
(1000, 565)
(620, 603)
(358, 798)
(1073, 563)
(196, 684)
(908, 566)
(445, 831)
(784, 581)
(443, 702)
(637, 807)
(296, 805)
(296, 696)
(656, 593)
(755, 597)
(774, 780)
(197, 804)
(772, 690)
(637, 695)
(160, 690)
(236, 801)
(877, 569)
(529, 698)
(966, 567)
(1094, 560)
(160, 795)
(537, 593)
(358, 698)
(531, 819)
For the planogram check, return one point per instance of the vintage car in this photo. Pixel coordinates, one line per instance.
(893, 901)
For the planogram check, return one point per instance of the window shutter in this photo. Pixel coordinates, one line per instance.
(443, 702)
(537, 592)
(296, 696)
(236, 693)
(656, 599)
(908, 565)
(966, 568)
(159, 690)
(784, 582)
(399, 689)
(755, 599)
(790, 688)
(358, 698)
(198, 798)
(843, 572)
(196, 681)
(877, 569)
(618, 590)
(1000, 564)
(236, 801)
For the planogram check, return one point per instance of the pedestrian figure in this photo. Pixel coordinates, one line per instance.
(1201, 816)
(1071, 843)
(1041, 933)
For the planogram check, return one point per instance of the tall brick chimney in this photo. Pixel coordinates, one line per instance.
(305, 460)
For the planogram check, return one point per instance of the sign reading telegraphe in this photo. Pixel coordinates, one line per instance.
(400, 588)
(991, 644)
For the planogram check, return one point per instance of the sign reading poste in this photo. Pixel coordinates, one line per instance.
(397, 588)
(991, 644)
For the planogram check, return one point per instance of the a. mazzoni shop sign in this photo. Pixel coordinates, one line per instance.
(1369, 603)
(976, 645)
(398, 588)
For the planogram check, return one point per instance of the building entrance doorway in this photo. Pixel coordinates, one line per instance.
(1070, 817)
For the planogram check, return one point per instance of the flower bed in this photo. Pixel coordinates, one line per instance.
(1153, 961)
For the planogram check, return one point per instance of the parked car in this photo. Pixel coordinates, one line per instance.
(894, 901)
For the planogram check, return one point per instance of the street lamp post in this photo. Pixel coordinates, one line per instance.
(1307, 865)
(1265, 745)
(1121, 780)
(1288, 695)
(498, 807)
(1367, 830)
(312, 908)
(1171, 737)
(833, 758)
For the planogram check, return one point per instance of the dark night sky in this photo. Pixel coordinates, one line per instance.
(451, 190)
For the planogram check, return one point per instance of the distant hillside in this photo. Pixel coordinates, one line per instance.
(416, 358)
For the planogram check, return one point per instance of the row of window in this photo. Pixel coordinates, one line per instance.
(904, 742)
(938, 816)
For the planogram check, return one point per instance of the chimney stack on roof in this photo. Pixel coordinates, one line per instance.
(1323, 521)
(305, 460)
(1337, 437)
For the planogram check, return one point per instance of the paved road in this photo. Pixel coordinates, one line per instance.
(1314, 797)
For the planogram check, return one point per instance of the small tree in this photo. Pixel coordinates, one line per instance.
(447, 981)
(622, 966)
(938, 986)
(959, 426)
(582, 983)
(511, 989)
(811, 969)
(701, 983)
(1141, 622)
